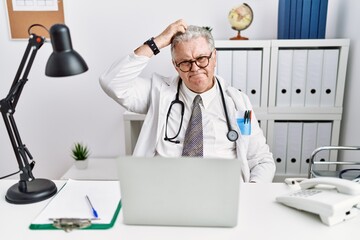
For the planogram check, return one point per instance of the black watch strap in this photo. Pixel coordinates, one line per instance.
(152, 45)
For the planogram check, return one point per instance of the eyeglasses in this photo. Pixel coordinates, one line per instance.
(201, 62)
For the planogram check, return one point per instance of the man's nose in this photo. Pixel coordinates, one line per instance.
(193, 63)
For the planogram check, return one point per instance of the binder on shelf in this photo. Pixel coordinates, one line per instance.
(292, 23)
(239, 69)
(305, 20)
(322, 18)
(254, 74)
(314, 19)
(283, 86)
(71, 203)
(224, 65)
(298, 18)
(313, 78)
(283, 19)
(298, 78)
(294, 148)
(324, 134)
(329, 76)
(280, 146)
(308, 145)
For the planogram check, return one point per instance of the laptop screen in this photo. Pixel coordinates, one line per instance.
(179, 191)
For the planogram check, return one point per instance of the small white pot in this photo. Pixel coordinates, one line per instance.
(81, 164)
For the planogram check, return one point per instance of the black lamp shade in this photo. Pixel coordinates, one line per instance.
(64, 61)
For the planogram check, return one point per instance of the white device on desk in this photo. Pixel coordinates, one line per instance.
(334, 199)
(179, 191)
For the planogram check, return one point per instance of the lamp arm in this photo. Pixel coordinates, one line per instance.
(8, 105)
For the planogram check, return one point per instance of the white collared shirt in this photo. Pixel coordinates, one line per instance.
(215, 127)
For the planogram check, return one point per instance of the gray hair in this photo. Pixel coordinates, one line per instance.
(193, 32)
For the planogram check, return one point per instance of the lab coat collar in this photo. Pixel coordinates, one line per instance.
(206, 97)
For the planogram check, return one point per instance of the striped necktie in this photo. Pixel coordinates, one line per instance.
(193, 141)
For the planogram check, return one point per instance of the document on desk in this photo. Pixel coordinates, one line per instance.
(72, 202)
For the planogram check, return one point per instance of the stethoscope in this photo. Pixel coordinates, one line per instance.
(232, 135)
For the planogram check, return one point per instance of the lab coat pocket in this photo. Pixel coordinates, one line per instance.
(243, 120)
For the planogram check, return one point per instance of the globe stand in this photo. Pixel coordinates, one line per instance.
(239, 37)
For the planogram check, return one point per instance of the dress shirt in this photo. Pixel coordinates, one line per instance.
(215, 127)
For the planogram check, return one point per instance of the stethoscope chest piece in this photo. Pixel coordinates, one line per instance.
(232, 135)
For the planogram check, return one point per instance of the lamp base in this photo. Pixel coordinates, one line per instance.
(30, 192)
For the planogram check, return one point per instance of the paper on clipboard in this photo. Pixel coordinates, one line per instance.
(71, 202)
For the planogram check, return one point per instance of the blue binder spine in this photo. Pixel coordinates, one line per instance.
(314, 19)
(322, 18)
(298, 18)
(292, 23)
(305, 21)
(283, 19)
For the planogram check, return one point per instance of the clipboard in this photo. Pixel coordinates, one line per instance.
(69, 208)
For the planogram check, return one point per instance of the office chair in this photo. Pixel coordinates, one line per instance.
(343, 169)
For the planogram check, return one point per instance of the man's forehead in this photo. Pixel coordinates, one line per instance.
(193, 46)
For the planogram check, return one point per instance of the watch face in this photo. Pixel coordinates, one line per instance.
(232, 135)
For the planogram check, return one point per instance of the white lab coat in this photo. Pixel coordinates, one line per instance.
(152, 97)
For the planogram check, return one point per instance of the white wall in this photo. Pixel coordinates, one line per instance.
(347, 27)
(54, 113)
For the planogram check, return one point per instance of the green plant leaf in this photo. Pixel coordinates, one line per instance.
(80, 151)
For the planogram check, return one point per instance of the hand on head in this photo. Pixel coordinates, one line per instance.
(164, 39)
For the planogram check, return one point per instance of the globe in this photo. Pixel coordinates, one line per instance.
(240, 18)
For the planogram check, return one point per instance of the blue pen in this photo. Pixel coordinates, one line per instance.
(92, 207)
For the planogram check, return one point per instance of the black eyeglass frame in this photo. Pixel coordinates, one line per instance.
(194, 61)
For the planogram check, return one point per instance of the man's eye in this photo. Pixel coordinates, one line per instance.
(186, 63)
(201, 59)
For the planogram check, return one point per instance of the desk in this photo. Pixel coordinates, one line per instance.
(260, 217)
(98, 169)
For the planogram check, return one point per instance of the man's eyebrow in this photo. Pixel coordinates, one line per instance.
(191, 59)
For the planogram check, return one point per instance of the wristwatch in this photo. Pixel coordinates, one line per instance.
(152, 45)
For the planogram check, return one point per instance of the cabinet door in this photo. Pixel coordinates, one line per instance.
(242, 68)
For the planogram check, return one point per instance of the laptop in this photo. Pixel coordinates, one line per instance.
(198, 192)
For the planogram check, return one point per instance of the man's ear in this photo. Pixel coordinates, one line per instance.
(174, 64)
(215, 53)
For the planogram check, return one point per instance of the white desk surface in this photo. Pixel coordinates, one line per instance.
(260, 217)
(98, 169)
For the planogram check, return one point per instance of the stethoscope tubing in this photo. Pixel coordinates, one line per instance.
(232, 134)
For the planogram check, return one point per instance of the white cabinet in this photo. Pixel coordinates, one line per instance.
(296, 88)
(306, 87)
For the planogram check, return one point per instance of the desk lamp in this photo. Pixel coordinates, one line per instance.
(64, 61)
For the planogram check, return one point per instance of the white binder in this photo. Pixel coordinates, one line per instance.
(239, 70)
(283, 86)
(314, 76)
(280, 146)
(224, 65)
(254, 76)
(294, 148)
(308, 145)
(329, 76)
(298, 78)
(323, 139)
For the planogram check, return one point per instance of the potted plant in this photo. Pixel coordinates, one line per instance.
(80, 154)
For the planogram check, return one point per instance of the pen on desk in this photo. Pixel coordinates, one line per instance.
(92, 207)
